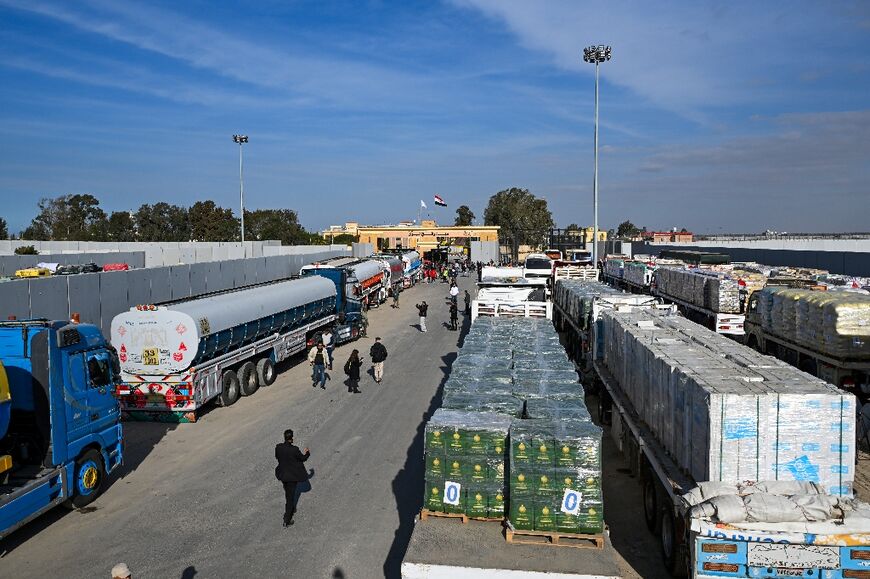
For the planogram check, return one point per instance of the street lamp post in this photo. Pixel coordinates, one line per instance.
(240, 139)
(596, 55)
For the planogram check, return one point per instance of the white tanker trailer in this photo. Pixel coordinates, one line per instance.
(177, 356)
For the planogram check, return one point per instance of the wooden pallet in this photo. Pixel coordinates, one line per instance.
(426, 513)
(555, 538)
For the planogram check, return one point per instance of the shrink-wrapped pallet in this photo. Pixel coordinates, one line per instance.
(725, 412)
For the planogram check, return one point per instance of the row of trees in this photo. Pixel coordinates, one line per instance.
(80, 218)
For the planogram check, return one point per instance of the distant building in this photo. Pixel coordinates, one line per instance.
(349, 228)
(424, 237)
(668, 236)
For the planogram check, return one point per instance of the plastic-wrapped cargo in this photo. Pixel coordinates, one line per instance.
(505, 404)
(555, 476)
(566, 409)
(467, 449)
(725, 412)
(638, 273)
(836, 323)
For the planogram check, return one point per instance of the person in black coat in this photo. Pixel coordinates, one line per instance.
(378, 354)
(351, 368)
(290, 471)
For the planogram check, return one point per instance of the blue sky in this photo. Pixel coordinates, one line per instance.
(731, 116)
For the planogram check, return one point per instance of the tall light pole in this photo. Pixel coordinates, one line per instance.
(240, 139)
(596, 55)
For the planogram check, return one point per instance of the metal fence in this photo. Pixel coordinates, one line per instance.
(99, 297)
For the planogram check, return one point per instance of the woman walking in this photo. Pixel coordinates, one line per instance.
(351, 368)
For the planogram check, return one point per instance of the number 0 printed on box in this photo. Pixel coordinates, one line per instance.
(571, 502)
(451, 492)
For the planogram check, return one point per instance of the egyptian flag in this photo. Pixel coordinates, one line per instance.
(440, 202)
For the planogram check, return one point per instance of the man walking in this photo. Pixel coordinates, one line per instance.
(396, 296)
(467, 303)
(454, 316)
(423, 309)
(290, 471)
(378, 354)
(318, 357)
(454, 292)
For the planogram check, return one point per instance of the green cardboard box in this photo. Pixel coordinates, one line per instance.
(521, 451)
(543, 451)
(435, 439)
(495, 505)
(522, 482)
(495, 470)
(477, 502)
(544, 484)
(434, 465)
(455, 468)
(475, 443)
(545, 516)
(477, 469)
(433, 500)
(455, 443)
(458, 508)
(522, 514)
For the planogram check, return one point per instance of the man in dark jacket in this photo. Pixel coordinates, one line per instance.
(454, 316)
(378, 353)
(423, 309)
(290, 471)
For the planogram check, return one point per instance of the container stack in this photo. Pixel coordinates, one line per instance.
(717, 291)
(836, 323)
(725, 412)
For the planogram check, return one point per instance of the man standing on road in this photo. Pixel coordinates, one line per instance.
(396, 296)
(454, 316)
(290, 471)
(423, 309)
(454, 292)
(467, 303)
(378, 353)
(329, 344)
(318, 358)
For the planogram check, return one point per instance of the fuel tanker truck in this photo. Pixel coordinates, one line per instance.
(413, 271)
(177, 356)
(365, 279)
(394, 270)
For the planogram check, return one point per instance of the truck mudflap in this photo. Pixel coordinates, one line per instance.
(746, 558)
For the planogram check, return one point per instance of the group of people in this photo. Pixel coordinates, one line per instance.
(320, 358)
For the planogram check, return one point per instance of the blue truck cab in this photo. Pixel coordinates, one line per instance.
(60, 429)
(351, 323)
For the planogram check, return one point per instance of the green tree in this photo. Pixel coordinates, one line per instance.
(523, 218)
(211, 222)
(26, 250)
(282, 224)
(4, 231)
(572, 227)
(161, 222)
(464, 216)
(121, 227)
(627, 230)
(68, 218)
(343, 239)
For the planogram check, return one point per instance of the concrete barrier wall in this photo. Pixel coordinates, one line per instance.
(844, 262)
(99, 297)
(159, 254)
(9, 264)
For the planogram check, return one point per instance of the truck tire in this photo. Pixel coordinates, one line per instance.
(266, 372)
(229, 388)
(87, 484)
(650, 504)
(248, 381)
(671, 553)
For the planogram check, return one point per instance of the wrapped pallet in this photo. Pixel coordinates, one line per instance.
(725, 412)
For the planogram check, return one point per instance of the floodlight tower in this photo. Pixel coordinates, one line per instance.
(241, 139)
(596, 55)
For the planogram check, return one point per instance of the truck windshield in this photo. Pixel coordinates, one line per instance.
(536, 263)
(99, 369)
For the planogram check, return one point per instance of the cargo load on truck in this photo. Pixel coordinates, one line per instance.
(726, 413)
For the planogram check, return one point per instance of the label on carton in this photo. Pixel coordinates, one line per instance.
(571, 502)
(452, 492)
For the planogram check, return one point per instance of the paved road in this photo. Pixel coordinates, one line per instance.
(201, 500)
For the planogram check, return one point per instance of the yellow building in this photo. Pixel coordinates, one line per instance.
(426, 236)
(349, 228)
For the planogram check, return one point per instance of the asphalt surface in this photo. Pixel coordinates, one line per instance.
(201, 500)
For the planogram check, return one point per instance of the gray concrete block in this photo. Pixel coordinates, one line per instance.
(139, 286)
(49, 298)
(114, 298)
(161, 286)
(84, 296)
(15, 299)
(179, 280)
(198, 279)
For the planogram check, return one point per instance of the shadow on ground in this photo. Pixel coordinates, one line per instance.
(408, 484)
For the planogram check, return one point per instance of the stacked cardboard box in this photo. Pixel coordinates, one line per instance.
(468, 448)
(548, 458)
(725, 412)
(638, 273)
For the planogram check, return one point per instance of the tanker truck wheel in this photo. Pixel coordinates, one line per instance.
(266, 371)
(229, 388)
(88, 482)
(248, 378)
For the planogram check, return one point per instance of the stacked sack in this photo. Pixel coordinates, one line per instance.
(467, 448)
(836, 323)
(555, 476)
